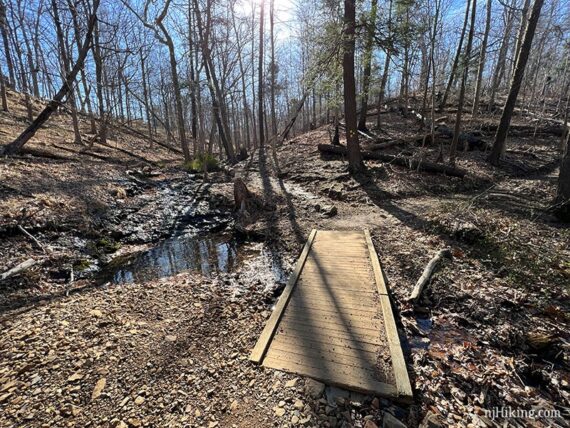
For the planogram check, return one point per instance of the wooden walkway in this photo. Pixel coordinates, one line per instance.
(334, 322)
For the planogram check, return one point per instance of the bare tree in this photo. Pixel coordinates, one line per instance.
(503, 129)
(43, 117)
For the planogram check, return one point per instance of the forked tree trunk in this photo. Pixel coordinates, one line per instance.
(355, 164)
(503, 129)
(25, 136)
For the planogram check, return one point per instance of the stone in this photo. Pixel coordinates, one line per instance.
(305, 420)
(329, 211)
(390, 421)
(99, 386)
(121, 424)
(279, 411)
(96, 313)
(234, 405)
(295, 420)
(171, 338)
(213, 424)
(298, 405)
(314, 388)
(75, 376)
(139, 400)
(370, 424)
(376, 403)
(134, 422)
(432, 420)
(281, 403)
(291, 383)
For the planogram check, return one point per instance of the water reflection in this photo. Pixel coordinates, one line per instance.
(205, 255)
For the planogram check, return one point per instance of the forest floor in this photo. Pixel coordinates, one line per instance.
(491, 331)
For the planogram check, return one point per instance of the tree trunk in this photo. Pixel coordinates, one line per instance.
(273, 70)
(175, 82)
(501, 61)
(456, 59)
(500, 137)
(65, 66)
(563, 194)
(355, 163)
(145, 95)
(84, 83)
(102, 133)
(466, 56)
(481, 67)
(260, 78)
(19, 142)
(3, 91)
(4, 29)
(367, 65)
(522, 28)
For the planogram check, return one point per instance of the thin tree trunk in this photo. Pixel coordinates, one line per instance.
(456, 59)
(367, 65)
(260, 78)
(84, 83)
(145, 95)
(246, 108)
(522, 28)
(5, 29)
(102, 132)
(384, 80)
(563, 194)
(3, 91)
(501, 61)
(503, 129)
(466, 56)
(65, 61)
(355, 163)
(273, 70)
(481, 67)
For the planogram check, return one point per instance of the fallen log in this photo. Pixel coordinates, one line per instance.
(428, 272)
(18, 268)
(407, 162)
(385, 145)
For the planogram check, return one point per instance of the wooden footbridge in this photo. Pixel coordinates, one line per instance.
(334, 322)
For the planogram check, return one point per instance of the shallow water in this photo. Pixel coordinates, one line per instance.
(206, 255)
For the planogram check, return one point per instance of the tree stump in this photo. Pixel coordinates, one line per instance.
(241, 195)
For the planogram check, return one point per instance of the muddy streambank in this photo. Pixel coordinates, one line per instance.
(156, 227)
